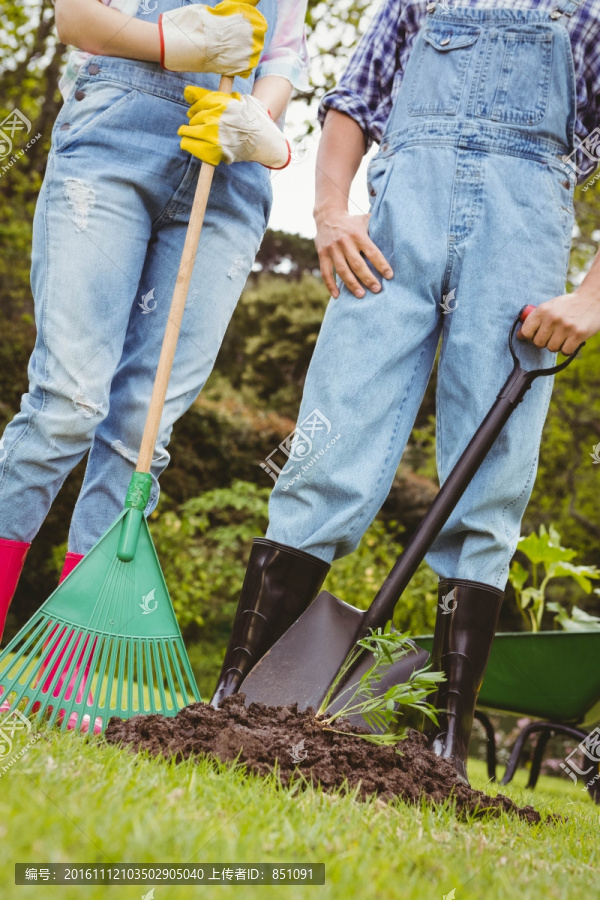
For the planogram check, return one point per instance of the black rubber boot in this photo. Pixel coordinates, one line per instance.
(280, 583)
(466, 621)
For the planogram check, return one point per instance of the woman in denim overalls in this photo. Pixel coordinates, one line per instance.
(471, 201)
(108, 235)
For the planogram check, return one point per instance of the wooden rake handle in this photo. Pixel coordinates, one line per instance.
(184, 276)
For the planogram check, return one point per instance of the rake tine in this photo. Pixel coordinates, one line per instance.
(66, 676)
(164, 649)
(45, 662)
(140, 676)
(150, 678)
(159, 680)
(178, 672)
(73, 704)
(10, 685)
(189, 677)
(36, 628)
(119, 697)
(32, 690)
(112, 662)
(26, 661)
(130, 671)
(96, 686)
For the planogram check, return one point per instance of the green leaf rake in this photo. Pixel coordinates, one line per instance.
(107, 641)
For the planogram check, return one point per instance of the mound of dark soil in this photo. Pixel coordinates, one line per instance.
(260, 735)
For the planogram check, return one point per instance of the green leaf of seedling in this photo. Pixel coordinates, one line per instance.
(382, 711)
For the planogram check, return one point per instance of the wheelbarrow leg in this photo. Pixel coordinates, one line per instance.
(594, 788)
(491, 743)
(538, 756)
(546, 730)
(517, 749)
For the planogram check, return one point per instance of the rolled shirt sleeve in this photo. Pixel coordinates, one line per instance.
(586, 53)
(365, 90)
(287, 54)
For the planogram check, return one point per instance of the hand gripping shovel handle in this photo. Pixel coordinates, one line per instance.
(517, 384)
(139, 489)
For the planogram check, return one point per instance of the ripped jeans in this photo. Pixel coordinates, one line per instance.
(108, 234)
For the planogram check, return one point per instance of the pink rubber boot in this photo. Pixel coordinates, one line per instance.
(12, 557)
(71, 560)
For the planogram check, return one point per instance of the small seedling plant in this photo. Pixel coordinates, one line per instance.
(381, 711)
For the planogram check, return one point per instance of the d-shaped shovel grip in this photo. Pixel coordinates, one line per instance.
(517, 384)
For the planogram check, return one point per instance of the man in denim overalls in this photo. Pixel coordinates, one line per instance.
(471, 200)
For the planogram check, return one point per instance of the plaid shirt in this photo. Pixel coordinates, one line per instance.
(370, 84)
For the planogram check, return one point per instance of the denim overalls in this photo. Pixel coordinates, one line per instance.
(108, 234)
(474, 211)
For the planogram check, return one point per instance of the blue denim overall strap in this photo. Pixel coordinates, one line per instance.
(170, 85)
(566, 7)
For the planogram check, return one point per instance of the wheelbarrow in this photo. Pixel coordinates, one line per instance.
(553, 677)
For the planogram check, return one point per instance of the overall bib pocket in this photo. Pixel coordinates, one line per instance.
(560, 187)
(438, 69)
(91, 100)
(378, 172)
(515, 77)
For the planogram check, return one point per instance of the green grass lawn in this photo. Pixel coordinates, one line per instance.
(73, 800)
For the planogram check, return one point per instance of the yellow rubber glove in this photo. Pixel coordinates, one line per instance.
(226, 39)
(232, 128)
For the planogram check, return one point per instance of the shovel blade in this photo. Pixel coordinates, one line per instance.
(302, 664)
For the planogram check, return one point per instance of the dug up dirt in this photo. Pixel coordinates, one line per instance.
(293, 744)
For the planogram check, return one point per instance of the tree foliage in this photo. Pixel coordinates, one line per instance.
(271, 340)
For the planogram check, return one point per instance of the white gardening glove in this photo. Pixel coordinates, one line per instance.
(231, 128)
(226, 39)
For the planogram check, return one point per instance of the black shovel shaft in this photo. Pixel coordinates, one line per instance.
(382, 608)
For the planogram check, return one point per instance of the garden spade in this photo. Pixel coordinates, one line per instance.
(110, 625)
(302, 665)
